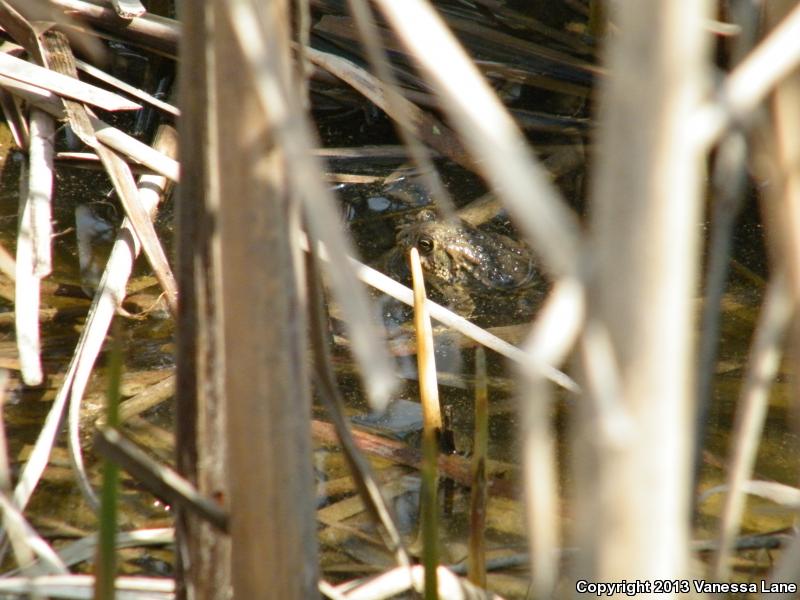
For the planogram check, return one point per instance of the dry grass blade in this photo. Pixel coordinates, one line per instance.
(398, 581)
(5, 465)
(45, 11)
(159, 479)
(125, 186)
(541, 485)
(304, 171)
(111, 292)
(370, 37)
(81, 586)
(15, 118)
(150, 30)
(361, 470)
(22, 31)
(649, 169)
(62, 85)
(109, 295)
(61, 60)
(150, 157)
(489, 134)
(779, 493)
(40, 189)
(27, 544)
(763, 363)
(26, 293)
(433, 132)
(128, 89)
(84, 549)
(402, 293)
(106, 134)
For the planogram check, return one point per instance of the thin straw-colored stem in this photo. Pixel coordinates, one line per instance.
(432, 430)
(478, 496)
(763, 365)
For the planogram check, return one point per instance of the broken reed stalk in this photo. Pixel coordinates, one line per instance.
(479, 494)
(106, 559)
(426, 363)
(432, 429)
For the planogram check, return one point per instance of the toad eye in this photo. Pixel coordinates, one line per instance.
(425, 245)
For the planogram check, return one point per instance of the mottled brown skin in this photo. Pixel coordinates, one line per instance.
(467, 266)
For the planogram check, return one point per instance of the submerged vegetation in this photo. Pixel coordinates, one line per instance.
(599, 199)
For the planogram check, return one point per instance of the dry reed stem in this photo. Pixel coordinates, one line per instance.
(426, 361)
(402, 293)
(431, 430)
(750, 82)
(127, 88)
(34, 555)
(489, 134)
(81, 586)
(159, 479)
(84, 549)
(396, 106)
(63, 85)
(108, 297)
(106, 134)
(73, 15)
(8, 266)
(111, 293)
(294, 136)
(361, 471)
(26, 293)
(399, 581)
(763, 363)
(476, 558)
(631, 508)
(15, 119)
(121, 177)
(40, 189)
(20, 29)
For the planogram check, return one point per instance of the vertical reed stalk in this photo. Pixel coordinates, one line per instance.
(632, 509)
(476, 570)
(106, 561)
(432, 429)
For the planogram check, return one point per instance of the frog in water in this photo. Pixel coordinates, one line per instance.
(476, 273)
